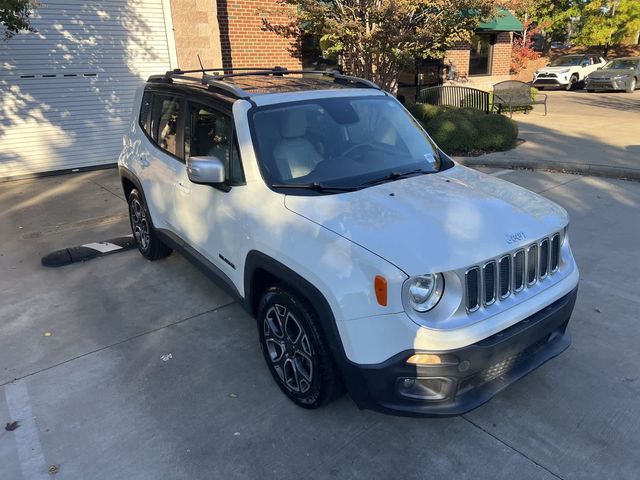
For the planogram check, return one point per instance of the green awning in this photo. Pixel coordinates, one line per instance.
(504, 21)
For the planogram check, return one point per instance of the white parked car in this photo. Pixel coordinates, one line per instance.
(369, 259)
(567, 71)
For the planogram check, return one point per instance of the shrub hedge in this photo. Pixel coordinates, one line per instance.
(459, 131)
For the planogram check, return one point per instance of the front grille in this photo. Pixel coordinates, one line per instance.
(532, 264)
(502, 367)
(505, 276)
(473, 289)
(489, 282)
(518, 283)
(510, 274)
(555, 252)
(544, 258)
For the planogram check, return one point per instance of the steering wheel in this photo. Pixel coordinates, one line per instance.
(359, 146)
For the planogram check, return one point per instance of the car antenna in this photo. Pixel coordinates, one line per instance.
(201, 65)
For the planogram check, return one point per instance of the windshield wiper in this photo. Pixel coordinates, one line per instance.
(392, 177)
(315, 186)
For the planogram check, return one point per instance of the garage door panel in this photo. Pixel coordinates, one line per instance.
(106, 49)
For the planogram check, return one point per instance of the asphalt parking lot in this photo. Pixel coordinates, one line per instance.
(591, 133)
(123, 368)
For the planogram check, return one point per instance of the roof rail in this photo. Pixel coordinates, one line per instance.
(217, 79)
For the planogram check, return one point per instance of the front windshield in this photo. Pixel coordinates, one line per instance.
(340, 142)
(568, 61)
(622, 64)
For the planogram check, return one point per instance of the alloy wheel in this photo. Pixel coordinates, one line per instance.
(289, 349)
(139, 224)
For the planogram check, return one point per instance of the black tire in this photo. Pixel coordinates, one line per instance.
(573, 82)
(295, 349)
(539, 88)
(150, 246)
(631, 86)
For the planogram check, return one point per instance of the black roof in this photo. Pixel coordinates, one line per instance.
(248, 82)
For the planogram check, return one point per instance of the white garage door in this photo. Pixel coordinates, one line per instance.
(67, 90)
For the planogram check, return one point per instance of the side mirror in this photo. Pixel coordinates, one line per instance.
(205, 170)
(599, 68)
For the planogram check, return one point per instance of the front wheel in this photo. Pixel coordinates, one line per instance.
(295, 350)
(572, 82)
(631, 85)
(150, 246)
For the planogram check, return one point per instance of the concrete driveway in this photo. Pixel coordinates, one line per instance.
(585, 132)
(119, 368)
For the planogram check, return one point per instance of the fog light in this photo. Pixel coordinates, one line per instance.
(408, 382)
(430, 388)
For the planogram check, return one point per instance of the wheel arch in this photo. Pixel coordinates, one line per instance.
(129, 182)
(262, 271)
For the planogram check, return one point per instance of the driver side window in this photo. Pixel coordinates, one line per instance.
(209, 133)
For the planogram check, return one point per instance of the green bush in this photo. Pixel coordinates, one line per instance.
(424, 112)
(496, 133)
(464, 130)
(453, 132)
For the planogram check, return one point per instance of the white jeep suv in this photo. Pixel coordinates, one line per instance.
(369, 258)
(567, 71)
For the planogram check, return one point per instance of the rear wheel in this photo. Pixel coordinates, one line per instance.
(150, 246)
(631, 85)
(295, 350)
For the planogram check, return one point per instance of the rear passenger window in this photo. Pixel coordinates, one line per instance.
(164, 122)
(145, 109)
(208, 133)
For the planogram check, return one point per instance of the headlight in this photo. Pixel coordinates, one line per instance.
(564, 71)
(423, 292)
(617, 77)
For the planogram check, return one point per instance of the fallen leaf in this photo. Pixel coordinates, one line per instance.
(233, 395)
(47, 334)
(53, 469)
(598, 310)
(166, 357)
(11, 426)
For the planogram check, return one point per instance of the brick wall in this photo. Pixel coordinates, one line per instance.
(502, 54)
(459, 56)
(244, 42)
(195, 28)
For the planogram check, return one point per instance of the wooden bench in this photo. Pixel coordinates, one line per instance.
(512, 94)
(455, 96)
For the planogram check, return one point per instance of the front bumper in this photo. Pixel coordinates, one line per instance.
(476, 373)
(608, 84)
(549, 82)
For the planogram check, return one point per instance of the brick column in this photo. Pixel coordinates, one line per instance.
(248, 44)
(196, 32)
(502, 54)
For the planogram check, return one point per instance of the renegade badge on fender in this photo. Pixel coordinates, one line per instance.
(370, 260)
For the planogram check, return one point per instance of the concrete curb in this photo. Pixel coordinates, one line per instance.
(617, 173)
(82, 253)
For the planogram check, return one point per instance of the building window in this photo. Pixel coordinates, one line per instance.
(481, 55)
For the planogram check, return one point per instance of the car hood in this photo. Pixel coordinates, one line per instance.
(436, 222)
(556, 69)
(608, 73)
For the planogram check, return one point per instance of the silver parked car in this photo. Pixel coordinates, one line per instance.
(618, 74)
